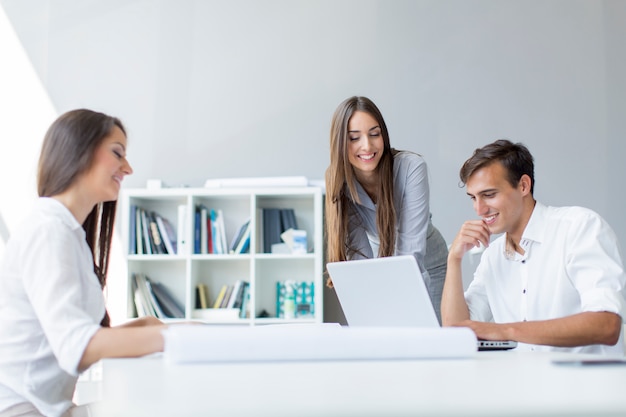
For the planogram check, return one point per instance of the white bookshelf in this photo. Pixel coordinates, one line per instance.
(181, 272)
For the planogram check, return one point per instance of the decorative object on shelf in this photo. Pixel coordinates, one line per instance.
(295, 299)
(295, 240)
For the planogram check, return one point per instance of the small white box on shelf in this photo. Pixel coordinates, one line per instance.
(216, 314)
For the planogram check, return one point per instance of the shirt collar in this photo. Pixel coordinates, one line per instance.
(536, 228)
(53, 206)
(534, 232)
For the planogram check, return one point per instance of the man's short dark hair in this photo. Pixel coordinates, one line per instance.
(515, 157)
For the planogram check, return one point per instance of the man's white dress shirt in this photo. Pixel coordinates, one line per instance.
(572, 264)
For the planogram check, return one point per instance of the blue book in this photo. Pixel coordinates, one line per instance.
(196, 231)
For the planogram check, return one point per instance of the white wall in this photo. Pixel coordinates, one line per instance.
(247, 88)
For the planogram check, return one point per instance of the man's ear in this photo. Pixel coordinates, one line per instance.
(525, 184)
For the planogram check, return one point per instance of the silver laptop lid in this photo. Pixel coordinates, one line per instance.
(383, 292)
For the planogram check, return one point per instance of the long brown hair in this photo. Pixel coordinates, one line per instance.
(341, 192)
(68, 150)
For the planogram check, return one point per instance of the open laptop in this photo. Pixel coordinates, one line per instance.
(389, 291)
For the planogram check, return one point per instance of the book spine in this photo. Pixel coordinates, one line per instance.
(224, 247)
(146, 233)
(229, 291)
(245, 302)
(139, 233)
(159, 246)
(165, 234)
(234, 294)
(244, 241)
(220, 297)
(209, 233)
(202, 295)
(217, 249)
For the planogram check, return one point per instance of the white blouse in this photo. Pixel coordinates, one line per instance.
(51, 305)
(571, 265)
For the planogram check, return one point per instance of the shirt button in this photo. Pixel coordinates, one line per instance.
(523, 261)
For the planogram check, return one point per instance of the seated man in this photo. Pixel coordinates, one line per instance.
(554, 279)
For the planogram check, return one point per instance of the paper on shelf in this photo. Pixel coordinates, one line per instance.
(206, 343)
(257, 182)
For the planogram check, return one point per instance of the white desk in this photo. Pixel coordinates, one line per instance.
(493, 384)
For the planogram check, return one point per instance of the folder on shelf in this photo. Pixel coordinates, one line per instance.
(302, 342)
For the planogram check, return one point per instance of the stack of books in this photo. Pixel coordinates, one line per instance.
(150, 233)
(154, 299)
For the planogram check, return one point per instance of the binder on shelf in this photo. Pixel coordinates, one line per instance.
(181, 235)
(222, 232)
(271, 228)
(288, 219)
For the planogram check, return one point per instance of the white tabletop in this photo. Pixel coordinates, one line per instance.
(506, 383)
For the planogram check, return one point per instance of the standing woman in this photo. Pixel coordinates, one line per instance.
(377, 198)
(53, 321)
